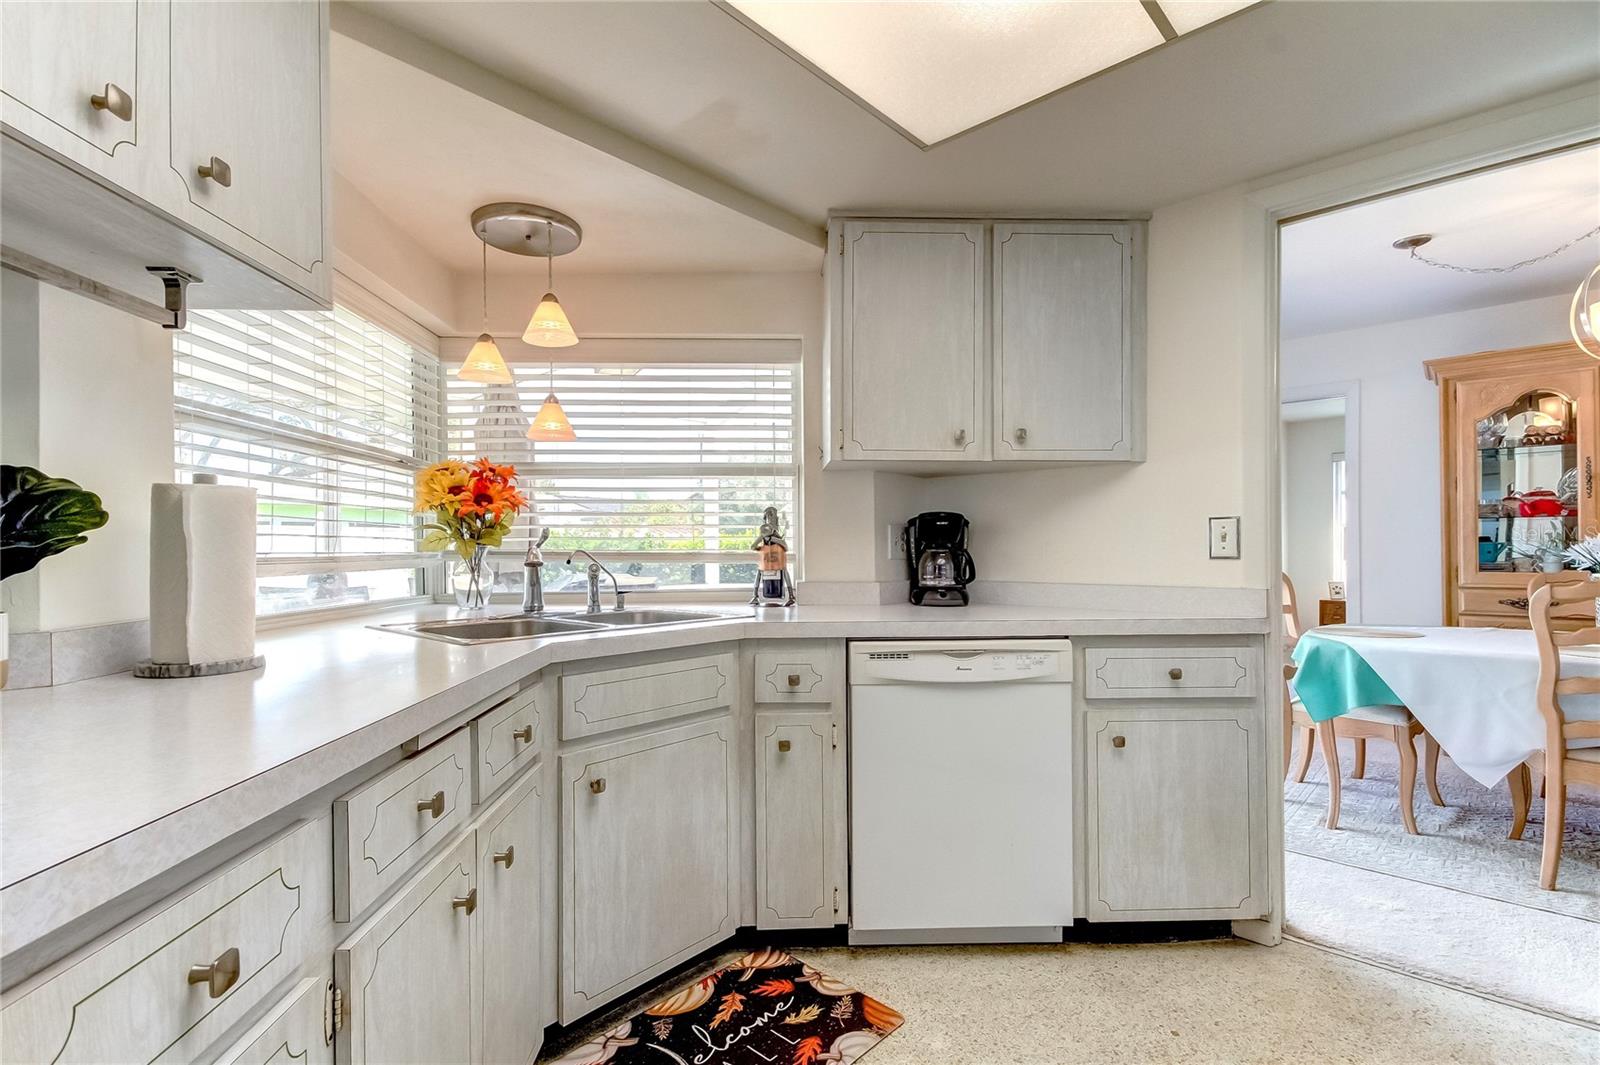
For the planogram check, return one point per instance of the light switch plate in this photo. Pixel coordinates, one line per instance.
(1225, 537)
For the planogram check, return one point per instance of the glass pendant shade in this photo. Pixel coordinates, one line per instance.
(551, 422)
(1585, 317)
(484, 364)
(549, 328)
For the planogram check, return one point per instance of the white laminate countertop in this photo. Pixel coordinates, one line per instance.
(107, 782)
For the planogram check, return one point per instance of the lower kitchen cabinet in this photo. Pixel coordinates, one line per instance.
(649, 858)
(292, 1032)
(797, 874)
(407, 974)
(509, 1019)
(1175, 814)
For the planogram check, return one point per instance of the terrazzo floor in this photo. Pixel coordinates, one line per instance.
(1221, 1001)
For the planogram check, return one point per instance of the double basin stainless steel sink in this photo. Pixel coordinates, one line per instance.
(525, 626)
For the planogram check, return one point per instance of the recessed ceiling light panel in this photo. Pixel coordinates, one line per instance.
(934, 68)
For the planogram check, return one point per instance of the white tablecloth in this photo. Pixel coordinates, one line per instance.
(1473, 689)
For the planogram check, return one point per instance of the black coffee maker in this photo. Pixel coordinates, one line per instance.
(937, 559)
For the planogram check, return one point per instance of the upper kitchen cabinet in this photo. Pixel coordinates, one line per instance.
(962, 345)
(1067, 362)
(149, 133)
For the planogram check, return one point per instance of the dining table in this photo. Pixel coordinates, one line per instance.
(1471, 688)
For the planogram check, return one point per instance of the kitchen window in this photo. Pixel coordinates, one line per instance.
(681, 443)
(327, 414)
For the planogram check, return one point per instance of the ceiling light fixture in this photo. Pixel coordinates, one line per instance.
(484, 362)
(551, 423)
(1585, 316)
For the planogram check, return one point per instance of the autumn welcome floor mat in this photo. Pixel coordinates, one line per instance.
(766, 1008)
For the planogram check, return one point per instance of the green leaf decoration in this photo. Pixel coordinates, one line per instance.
(435, 539)
(42, 516)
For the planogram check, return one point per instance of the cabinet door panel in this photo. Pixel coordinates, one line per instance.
(55, 56)
(510, 1024)
(247, 89)
(795, 875)
(1172, 805)
(1063, 340)
(290, 1034)
(407, 973)
(914, 336)
(648, 838)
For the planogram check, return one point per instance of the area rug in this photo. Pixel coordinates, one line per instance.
(764, 1008)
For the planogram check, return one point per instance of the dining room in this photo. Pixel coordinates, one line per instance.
(1440, 375)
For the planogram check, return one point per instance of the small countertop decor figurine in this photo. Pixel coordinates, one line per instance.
(773, 586)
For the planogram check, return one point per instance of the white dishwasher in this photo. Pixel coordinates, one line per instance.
(960, 791)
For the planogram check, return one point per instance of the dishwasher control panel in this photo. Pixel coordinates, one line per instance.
(958, 662)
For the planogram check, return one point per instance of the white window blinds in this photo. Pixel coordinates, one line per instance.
(326, 415)
(673, 464)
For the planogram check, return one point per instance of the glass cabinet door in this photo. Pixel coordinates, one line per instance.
(1528, 479)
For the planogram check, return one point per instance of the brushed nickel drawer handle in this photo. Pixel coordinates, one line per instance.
(783, 746)
(220, 975)
(434, 806)
(113, 102)
(794, 680)
(1119, 742)
(1175, 673)
(597, 785)
(525, 734)
(219, 171)
(467, 902)
(961, 438)
(506, 857)
(1022, 435)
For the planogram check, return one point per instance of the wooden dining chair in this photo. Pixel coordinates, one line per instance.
(1563, 761)
(1393, 723)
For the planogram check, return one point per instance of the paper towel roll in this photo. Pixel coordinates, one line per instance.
(202, 573)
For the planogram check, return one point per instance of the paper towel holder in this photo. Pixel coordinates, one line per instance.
(173, 670)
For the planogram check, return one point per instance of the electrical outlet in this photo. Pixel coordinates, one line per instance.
(896, 539)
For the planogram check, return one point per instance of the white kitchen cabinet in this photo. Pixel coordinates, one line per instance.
(508, 1023)
(912, 338)
(959, 345)
(292, 1032)
(797, 868)
(406, 975)
(1066, 362)
(649, 844)
(59, 60)
(1174, 810)
(247, 128)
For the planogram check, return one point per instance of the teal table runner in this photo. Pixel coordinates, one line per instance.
(1332, 679)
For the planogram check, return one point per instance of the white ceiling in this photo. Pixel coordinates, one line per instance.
(934, 68)
(1340, 270)
(1280, 85)
(1311, 410)
(427, 153)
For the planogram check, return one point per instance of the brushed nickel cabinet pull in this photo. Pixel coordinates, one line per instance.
(113, 102)
(468, 902)
(525, 734)
(434, 806)
(961, 438)
(783, 746)
(597, 785)
(220, 975)
(1022, 435)
(219, 171)
(794, 680)
(1119, 742)
(506, 857)
(1175, 673)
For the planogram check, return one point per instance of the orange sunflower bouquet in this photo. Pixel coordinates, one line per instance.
(469, 507)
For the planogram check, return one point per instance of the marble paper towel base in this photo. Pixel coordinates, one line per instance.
(174, 670)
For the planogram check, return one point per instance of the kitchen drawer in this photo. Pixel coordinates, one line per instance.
(793, 675)
(608, 699)
(1141, 672)
(140, 997)
(1512, 603)
(384, 827)
(292, 1032)
(506, 739)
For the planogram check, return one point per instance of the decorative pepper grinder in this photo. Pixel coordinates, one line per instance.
(773, 586)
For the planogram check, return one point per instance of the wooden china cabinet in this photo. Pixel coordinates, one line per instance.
(1519, 438)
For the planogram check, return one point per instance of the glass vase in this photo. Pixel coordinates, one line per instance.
(472, 580)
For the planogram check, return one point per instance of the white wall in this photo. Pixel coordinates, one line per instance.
(1308, 450)
(102, 410)
(1399, 537)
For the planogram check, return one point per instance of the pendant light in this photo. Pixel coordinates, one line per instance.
(1584, 320)
(549, 327)
(484, 363)
(551, 423)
